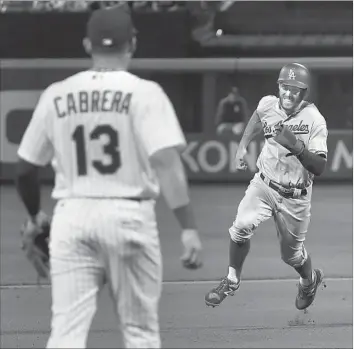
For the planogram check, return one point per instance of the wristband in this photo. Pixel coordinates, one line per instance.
(299, 144)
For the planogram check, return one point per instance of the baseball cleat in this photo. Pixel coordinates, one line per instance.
(219, 293)
(306, 294)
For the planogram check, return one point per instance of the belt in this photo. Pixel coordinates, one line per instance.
(121, 198)
(285, 192)
(133, 199)
(112, 198)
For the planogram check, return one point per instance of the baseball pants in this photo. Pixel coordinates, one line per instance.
(291, 217)
(99, 241)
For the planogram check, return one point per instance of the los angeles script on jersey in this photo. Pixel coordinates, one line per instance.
(92, 102)
(299, 128)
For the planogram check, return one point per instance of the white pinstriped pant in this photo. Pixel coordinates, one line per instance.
(94, 241)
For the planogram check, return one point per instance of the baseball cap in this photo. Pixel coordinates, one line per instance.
(110, 28)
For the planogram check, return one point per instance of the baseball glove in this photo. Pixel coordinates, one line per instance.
(35, 244)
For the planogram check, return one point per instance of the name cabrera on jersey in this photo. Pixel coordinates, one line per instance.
(98, 129)
(307, 124)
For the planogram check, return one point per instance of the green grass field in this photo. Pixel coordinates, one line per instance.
(261, 314)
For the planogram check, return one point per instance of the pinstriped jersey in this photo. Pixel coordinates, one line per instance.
(98, 130)
(307, 123)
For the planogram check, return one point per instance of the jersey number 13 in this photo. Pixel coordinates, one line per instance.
(110, 149)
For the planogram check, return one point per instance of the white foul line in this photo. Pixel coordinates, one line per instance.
(187, 282)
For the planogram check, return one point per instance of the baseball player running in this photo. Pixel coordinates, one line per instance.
(295, 151)
(114, 140)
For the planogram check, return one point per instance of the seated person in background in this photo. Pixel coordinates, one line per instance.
(232, 113)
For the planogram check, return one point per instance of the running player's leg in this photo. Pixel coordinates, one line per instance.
(135, 276)
(255, 208)
(76, 278)
(292, 219)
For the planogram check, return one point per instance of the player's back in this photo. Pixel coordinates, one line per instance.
(97, 153)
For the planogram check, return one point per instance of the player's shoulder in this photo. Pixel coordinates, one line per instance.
(147, 92)
(266, 103)
(59, 85)
(50, 91)
(313, 113)
(150, 88)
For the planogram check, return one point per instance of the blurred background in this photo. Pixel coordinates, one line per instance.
(205, 54)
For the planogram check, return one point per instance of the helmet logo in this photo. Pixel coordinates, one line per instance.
(291, 75)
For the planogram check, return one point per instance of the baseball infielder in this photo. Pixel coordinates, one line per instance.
(113, 140)
(295, 150)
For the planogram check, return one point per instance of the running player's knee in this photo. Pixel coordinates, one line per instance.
(240, 232)
(295, 259)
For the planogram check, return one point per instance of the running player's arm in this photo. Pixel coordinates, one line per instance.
(245, 110)
(35, 151)
(253, 128)
(314, 158)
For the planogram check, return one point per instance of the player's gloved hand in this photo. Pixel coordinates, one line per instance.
(35, 234)
(239, 158)
(287, 139)
(192, 245)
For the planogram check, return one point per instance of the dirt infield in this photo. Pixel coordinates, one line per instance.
(261, 314)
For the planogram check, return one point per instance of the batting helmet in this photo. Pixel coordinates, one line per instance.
(295, 74)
